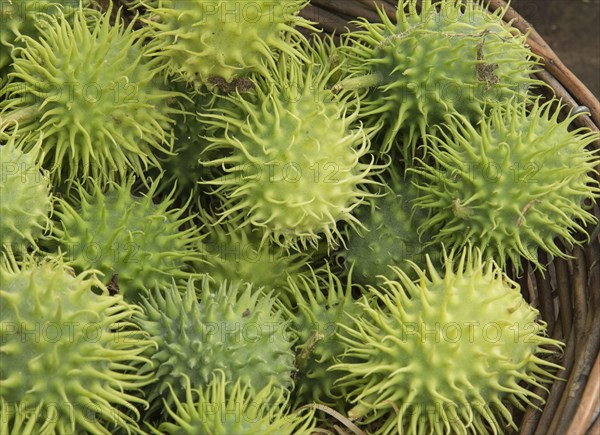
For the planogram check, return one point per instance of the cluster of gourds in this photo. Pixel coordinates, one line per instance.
(211, 223)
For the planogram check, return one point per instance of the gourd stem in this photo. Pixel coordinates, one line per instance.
(354, 83)
(19, 116)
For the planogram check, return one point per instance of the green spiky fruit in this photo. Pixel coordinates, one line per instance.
(205, 41)
(182, 169)
(68, 355)
(291, 159)
(510, 185)
(389, 236)
(236, 255)
(451, 57)
(233, 328)
(323, 302)
(130, 239)
(26, 199)
(87, 88)
(446, 353)
(227, 407)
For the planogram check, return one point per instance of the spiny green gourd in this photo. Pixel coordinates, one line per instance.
(232, 327)
(236, 255)
(206, 42)
(511, 184)
(26, 196)
(87, 88)
(389, 237)
(182, 169)
(133, 241)
(230, 407)
(291, 156)
(323, 302)
(448, 56)
(447, 353)
(69, 355)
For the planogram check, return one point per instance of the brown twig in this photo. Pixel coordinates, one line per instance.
(593, 256)
(595, 427)
(580, 301)
(578, 379)
(589, 401)
(545, 296)
(564, 295)
(525, 210)
(556, 391)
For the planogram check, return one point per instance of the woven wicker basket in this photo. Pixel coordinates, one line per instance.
(568, 295)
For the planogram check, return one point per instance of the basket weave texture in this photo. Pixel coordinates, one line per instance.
(568, 293)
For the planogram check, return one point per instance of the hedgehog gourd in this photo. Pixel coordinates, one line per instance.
(69, 355)
(292, 158)
(86, 86)
(446, 353)
(510, 185)
(232, 328)
(205, 40)
(127, 238)
(449, 57)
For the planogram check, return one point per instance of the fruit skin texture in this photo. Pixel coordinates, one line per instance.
(68, 354)
(26, 198)
(389, 236)
(433, 63)
(88, 89)
(18, 17)
(323, 302)
(444, 353)
(236, 255)
(182, 169)
(290, 157)
(511, 184)
(233, 328)
(226, 407)
(200, 40)
(129, 236)
(22, 17)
